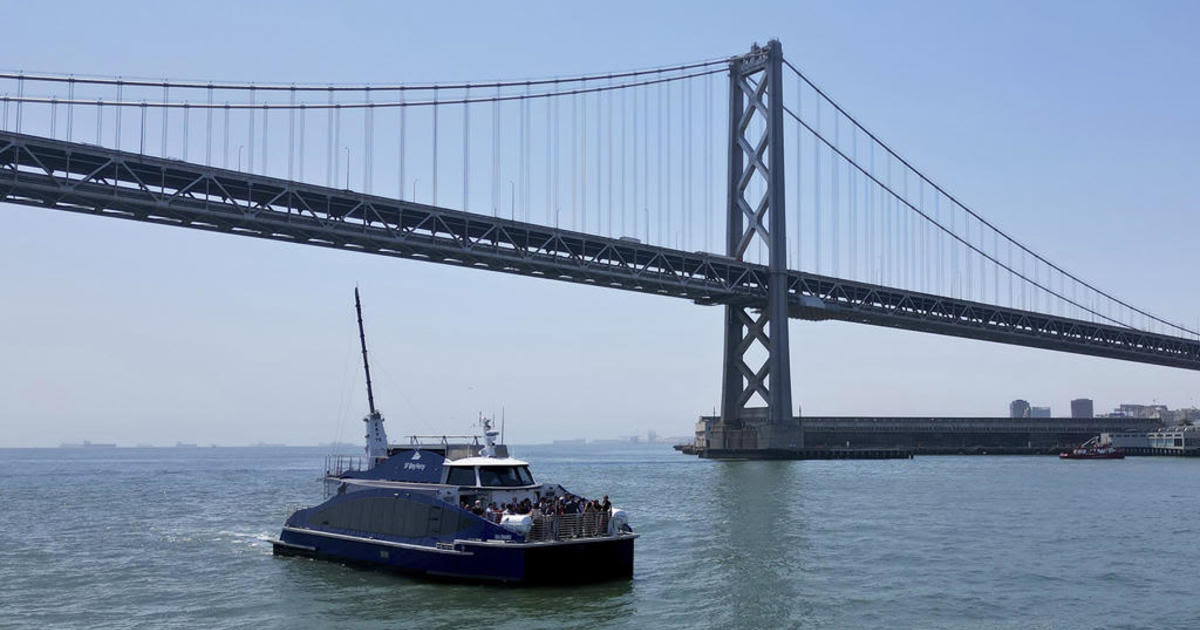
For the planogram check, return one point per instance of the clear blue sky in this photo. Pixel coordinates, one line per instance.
(1071, 125)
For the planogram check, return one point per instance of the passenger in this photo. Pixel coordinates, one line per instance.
(478, 508)
(606, 505)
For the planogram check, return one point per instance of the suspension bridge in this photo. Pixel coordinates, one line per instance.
(667, 180)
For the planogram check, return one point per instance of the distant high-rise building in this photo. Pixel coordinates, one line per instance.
(1082, 408)
(1018, 409)
(1039, 412)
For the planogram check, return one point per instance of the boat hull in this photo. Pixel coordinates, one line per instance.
(559, 562)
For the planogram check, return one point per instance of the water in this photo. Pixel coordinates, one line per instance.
(174, 538)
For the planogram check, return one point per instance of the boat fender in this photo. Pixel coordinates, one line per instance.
(517, 523)
(618, 522)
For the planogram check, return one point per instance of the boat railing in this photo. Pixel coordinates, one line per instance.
(547, 527)
(444, 440)
(337, 464)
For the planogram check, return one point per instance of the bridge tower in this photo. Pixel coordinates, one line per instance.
(756, 339)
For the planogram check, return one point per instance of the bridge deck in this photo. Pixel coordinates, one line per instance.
(85, 178)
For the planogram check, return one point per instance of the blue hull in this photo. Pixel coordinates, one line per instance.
(576, 561)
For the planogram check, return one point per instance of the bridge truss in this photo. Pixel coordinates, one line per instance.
(77, 177)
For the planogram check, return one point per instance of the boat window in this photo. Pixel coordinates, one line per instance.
(504, 476)
(461, 476)
(526, 478)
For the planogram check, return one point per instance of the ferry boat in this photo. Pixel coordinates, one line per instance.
(1093, 449)
(452, 507)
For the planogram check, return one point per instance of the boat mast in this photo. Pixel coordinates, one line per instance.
(362, 338)
(377, 448)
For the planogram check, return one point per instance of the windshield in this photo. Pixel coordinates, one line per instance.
(504, 476)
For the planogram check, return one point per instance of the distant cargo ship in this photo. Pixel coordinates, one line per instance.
(87, 444)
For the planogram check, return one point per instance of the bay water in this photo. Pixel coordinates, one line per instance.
(176, 538)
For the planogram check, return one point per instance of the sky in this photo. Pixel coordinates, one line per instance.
(1071, 126)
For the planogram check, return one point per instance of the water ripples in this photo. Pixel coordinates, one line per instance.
(177, 538)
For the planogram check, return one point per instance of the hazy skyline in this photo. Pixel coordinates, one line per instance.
(1074, 131)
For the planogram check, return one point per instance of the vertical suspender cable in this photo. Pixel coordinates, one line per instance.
(835, 167)
(609, 96)
(117, 113)
(852, 185)
(799, 205)
(291, 134)
(636, 172)
(646, 159)
(466, 149)
(575, 161)
(186, 131)
(337, 146)
(21, 102)
(521, 166)
(554, 159)
(817, 188)
(265, 136)
(368, 140)
(208, 122)
(300, 149)
(708, 175)
(687, 162)
(250, 140)
(329, 152)
(436, 107)
(624, 164)
(599, 162)
(400, 149)
(496, 155)
(70, 109)
(141, 131)
(165, 116)
(666, 106)
(527, 167)
(658, 151)
(225, 139)
(583, 168)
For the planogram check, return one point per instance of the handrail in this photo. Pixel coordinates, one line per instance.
(548, 527)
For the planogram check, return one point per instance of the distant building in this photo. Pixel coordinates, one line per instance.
(1082, 408)
(1039, 412)
(1140, 411)
(1018, 409)
(1187, 415)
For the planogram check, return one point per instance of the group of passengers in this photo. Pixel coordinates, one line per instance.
(548, 505)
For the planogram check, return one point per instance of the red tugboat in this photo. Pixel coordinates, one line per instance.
(1093, 449)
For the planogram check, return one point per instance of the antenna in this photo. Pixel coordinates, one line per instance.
(362, 338)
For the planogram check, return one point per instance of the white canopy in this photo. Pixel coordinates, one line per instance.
(486, 461)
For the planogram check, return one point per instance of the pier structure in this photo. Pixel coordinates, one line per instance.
(927, 435)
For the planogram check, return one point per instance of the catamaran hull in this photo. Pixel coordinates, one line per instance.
(576, 561)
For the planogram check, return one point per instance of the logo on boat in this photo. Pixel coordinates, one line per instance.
(409, 465)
